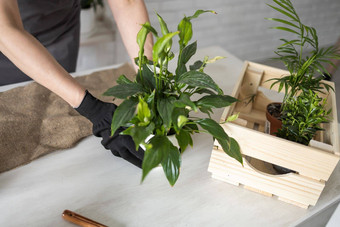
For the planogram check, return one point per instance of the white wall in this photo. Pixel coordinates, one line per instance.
(240, 27)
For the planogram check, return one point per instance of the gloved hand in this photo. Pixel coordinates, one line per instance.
(100, 114)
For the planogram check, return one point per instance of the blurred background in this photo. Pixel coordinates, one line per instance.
(239, 27)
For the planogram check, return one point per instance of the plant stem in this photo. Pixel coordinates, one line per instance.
(160, 75)
(155, 74)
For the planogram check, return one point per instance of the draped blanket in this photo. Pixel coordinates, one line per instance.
(35, 121)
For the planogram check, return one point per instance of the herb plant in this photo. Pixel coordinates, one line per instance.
(302, 109)
(159, 102)
(301, 117)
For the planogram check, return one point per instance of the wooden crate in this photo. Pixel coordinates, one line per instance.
(312, 164)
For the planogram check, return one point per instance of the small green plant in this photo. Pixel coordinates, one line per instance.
(302, 109)
(159, 102)
(302, 116)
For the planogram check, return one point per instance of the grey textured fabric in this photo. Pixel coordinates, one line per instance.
(35, 122)
(56, 25)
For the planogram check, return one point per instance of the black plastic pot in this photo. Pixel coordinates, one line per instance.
(282, 170)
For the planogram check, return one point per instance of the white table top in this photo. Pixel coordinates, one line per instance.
(89, 180)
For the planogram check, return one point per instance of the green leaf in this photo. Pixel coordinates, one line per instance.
(175, 114)
(204, 91)
(192, 127)
(232, 117)
(123, 114)
(123, 91)
(206, 110)
(286, 29)
(213, 128)
(199, 12)
(188, 52)
(165, 30)
(146, 78)
(141, 61)
(283, 21)
(185, 102)
(143, 113)
(181, 121)
(185, 29)
(155, 153)
(290, 43)
(215, 59)
(184, 139)
(165, 107)
(150, 29)
(216, 101)
(280, 87)
(164, 27)
(288, 14)
(171, 164)
(286, 5)
(199, 79)
(181, 69)
(139, 133)
(231, 148)
(123, 80)
(160, 45)
(196, 65)
(141, 38)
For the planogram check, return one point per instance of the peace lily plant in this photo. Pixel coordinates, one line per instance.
(159, 102)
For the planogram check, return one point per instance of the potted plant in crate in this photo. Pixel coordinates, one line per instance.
(303, 109)
(159, 102)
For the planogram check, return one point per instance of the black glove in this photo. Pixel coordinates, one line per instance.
(100, 114)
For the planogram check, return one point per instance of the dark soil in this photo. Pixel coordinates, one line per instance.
(274, 109)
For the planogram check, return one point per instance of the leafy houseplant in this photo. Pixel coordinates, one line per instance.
(302, 109)
(159, 102)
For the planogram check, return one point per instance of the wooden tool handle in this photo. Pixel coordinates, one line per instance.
(80, 220)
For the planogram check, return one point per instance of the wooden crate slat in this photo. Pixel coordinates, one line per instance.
(297, 188)
(322, 146)
(304, 206)
(235, 93)
(292, 180)
(261, 101)
(335, 140)
(306, 160)
(248, 91)
(240, 121)
(254, 115)
(269, 73)
(258, 191)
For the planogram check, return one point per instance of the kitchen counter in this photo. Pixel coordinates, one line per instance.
(90, 181)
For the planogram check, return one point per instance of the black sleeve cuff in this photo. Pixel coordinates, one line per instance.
(98, 112)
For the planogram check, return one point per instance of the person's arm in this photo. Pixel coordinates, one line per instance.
(129, 16)
(35, 61)
(32, 58)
